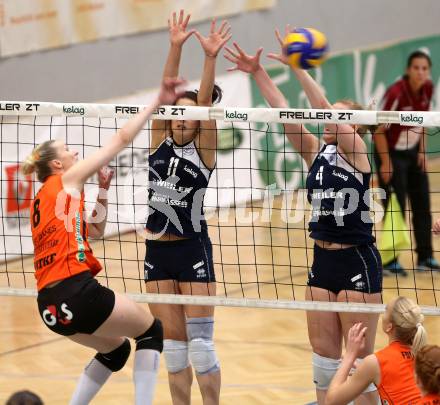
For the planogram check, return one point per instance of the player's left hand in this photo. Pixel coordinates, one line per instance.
(216, 39)
(105, 175)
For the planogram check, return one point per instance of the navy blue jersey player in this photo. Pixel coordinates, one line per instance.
(178, 250)
(339, 195)
(346, 264)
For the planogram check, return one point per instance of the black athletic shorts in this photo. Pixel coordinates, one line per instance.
(357, 268)
(182, 260)
(79, 304)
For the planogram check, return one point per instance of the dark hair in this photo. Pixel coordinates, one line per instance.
(418, 54)
(24, 398)
(428, 368)
(217, 95)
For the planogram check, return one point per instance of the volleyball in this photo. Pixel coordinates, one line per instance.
(305, 48)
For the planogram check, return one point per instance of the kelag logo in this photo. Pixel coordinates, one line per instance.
(18, 194)
(236, 115)
(410, 118)
(73, 110)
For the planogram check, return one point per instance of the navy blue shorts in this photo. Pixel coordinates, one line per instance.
(357, 268)
(79, 304)
(182, 260)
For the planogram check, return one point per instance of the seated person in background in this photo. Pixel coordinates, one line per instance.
(390, 369)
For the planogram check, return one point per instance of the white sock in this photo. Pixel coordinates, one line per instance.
(90, 382)
(146, 366)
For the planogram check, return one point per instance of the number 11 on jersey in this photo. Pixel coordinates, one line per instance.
(173, 166)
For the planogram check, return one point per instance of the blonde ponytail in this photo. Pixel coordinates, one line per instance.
(420, 339)
(407, 319)
(38, 160)
(28, 166)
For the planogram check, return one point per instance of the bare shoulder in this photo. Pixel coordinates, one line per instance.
(370, 366)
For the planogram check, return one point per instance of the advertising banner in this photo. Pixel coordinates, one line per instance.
(33, 25)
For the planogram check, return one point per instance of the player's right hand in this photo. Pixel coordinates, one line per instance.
(355, 340)
(244, 62)
(169, 91)
(177, 28)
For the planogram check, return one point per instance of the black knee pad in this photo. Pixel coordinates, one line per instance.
(152, 339)
(116, 359)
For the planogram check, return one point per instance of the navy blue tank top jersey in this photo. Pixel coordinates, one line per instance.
(177, 182)
(340, 200)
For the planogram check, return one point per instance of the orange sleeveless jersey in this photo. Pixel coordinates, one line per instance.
(429, 399)
(59, 234)
(397, 383)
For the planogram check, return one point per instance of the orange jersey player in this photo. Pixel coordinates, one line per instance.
(392, 368)
(397, 384)
(70, 300)
(61, 248)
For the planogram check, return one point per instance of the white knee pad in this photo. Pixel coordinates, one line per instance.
(176, 355)
(202, 355)
(201, 351)
(324, 369)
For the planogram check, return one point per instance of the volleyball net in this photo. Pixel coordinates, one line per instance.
(255, 203)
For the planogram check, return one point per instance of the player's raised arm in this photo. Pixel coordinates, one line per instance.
(313, 91)
(251, 64)
(178, 35)
(212, 44)
(76, 175)
(300, 138)
(348, 139)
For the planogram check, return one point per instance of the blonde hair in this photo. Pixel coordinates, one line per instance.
(407, 319)
(353, 105)
(428, 368)
(38, 160)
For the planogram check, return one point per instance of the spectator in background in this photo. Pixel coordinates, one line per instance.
(400, 155)
(24, 398)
